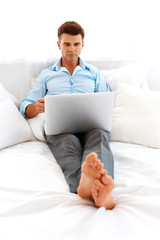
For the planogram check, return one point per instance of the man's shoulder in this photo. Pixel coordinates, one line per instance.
(56, 66)
(86, 64)
(52, 68)
(91, 66)
(44, 73)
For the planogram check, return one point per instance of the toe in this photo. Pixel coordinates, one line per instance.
(97, 184)
(91, 157)
(95, 188)
(107, 180)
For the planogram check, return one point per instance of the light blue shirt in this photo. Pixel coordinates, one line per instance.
(57, 80)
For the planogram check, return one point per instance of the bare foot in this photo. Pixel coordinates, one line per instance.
(101, 192)
(92, 169)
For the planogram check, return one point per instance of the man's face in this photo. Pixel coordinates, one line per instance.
(70, 46)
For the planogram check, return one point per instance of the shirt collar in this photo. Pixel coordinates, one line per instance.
(83, 64)
(56, 67)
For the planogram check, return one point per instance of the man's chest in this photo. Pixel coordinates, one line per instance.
(65, 83)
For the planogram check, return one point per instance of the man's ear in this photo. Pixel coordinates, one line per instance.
(82, 44)
(58, 43)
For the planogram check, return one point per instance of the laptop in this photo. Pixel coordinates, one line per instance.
(75, 113)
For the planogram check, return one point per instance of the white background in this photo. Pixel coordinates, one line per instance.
(115, 29)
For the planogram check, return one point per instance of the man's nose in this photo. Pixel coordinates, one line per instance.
(71, 48)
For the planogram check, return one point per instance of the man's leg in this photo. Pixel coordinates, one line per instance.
(67, 151)
(95, 181)
(97, 140)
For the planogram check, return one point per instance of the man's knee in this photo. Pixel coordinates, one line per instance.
(71, 140)
(98, 133)
(70, 144)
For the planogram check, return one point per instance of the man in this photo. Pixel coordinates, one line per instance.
(77, 154)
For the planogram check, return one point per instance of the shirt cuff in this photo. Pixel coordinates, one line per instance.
(24, 104)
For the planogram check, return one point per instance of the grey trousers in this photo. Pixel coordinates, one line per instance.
(70, 151)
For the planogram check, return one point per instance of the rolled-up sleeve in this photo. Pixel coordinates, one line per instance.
(38, 91)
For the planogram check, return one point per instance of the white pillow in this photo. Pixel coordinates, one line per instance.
(5, 94)
(133, 74)
(136, 116)
(13, 127)
(37, 125)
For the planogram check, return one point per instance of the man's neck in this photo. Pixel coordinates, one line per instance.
(70, 65)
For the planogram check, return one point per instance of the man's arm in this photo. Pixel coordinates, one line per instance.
(35, 108)
(30, 106)
(101, 84)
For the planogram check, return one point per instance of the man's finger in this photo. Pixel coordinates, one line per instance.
(40, 100)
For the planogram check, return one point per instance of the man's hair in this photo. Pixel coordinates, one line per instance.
(72, 28)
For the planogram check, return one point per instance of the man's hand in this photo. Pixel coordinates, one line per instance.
(39, 105)
(35, 108)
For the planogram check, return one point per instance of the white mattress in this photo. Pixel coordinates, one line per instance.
(35, 202)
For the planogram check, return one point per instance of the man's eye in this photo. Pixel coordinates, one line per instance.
(66, 44)
(77, 44)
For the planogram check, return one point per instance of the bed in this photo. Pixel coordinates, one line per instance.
(35, 202)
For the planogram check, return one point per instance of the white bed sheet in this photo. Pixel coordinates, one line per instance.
(35, 202)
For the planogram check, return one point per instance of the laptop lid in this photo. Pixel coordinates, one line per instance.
(73, 113)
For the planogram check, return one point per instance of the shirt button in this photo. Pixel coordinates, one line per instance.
(71, 80)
